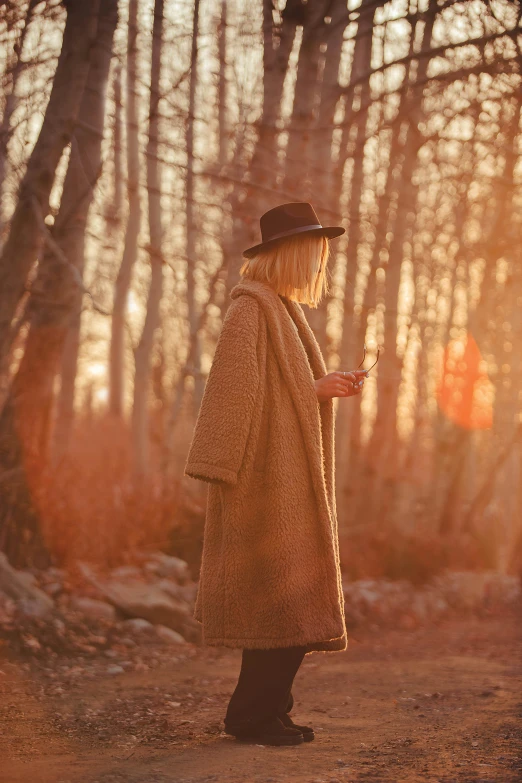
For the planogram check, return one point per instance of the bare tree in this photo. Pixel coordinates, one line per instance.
(384, 442)
(54, 307)
(190, 232)
(26, 237)
(130, 251)
(257, 192)
(14, 71)
(357, 118)
(144, 349)
(223, 91)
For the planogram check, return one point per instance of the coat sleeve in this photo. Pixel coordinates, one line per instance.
(225, 415)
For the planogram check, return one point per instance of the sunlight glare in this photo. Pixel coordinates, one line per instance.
(96, 370)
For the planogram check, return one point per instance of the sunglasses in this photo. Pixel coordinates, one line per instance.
(364, 357)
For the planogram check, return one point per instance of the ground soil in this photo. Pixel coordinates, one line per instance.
(438, 704)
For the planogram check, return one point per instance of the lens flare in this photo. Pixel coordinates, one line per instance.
(465, 393)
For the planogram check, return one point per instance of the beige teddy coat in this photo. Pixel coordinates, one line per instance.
(270, 573)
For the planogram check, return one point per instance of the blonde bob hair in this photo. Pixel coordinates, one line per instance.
(296, 268)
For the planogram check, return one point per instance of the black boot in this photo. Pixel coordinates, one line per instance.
(271, 731)
(306, 731)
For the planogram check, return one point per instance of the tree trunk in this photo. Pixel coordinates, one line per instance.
(222, 87)
(54, 304)
(20, 533)
(297, 178)
(25, 239)
(325, 185)
(118, 174)
(130, 251)
(453, 443)
(65, 403)
(190, 237)
(15, 69)
(69, 362)
(326, 189)
(143, 353)
(256, 194)
(382, 450)
(495, 324)
(261, 171)
(347, 349)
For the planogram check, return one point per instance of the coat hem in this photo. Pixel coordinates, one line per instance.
(337, 644)
(206, 472)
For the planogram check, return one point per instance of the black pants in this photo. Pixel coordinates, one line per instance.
(264, 687)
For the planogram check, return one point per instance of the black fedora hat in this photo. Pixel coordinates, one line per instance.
(288, 220)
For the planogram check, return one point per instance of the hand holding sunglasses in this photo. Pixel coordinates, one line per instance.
(358, 383)
(342, 384)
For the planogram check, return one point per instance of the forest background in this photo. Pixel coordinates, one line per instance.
(140, 141)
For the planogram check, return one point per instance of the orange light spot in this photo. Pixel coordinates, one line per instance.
(464, 392)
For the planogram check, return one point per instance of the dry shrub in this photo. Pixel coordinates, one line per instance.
(392, 554)
(417, 556)
(93, 508)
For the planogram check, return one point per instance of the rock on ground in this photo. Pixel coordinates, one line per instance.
(168, 635)
(19, 587)
(138, 599)
(98, 610)
(167, 566)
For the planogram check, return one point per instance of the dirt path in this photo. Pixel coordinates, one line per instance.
(443, 704)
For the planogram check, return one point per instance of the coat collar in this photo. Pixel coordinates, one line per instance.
(300, 361)
(280, 316)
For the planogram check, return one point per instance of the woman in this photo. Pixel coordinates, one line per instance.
(270, 580)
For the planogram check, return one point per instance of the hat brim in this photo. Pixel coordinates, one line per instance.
(329, 231)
